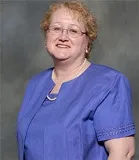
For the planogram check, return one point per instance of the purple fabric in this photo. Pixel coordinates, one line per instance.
(92, 108)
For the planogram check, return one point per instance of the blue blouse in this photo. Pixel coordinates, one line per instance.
(90, 109)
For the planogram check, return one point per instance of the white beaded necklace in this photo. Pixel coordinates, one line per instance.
(51, 99)
(75, 75)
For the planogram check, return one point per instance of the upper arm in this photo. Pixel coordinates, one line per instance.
(113, 117)
(113, 121)
(121, 147)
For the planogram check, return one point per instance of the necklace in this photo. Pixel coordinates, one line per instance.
(51, 99)
(71, 77)
(75, 75)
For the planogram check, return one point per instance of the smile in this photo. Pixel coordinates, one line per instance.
(62, 46)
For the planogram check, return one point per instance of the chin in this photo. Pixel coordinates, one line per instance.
(60, 55)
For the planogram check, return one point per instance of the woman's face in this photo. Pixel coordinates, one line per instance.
(63, 46)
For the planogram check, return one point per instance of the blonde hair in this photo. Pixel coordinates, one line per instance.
(80, 12)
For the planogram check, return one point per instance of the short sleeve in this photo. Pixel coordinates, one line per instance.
(113, 118)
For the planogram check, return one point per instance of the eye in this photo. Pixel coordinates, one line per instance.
(56, 28)
(73, 31)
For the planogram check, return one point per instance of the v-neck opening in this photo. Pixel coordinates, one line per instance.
(74, 79)
(67, 83)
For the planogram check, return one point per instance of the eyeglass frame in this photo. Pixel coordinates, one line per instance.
(48, 29)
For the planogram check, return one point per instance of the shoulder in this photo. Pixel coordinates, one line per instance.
(101, 78)
(40, 76)
(37, 80)
(105, 74)
(103, 70)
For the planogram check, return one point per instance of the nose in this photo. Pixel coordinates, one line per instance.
(64, 35)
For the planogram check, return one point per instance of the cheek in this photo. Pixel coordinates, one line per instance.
(49, 41)
(81, 44)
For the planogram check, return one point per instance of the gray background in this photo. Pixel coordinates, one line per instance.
(23, 54)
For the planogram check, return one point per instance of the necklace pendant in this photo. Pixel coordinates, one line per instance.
(51, 99)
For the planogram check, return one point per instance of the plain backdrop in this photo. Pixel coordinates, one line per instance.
(23, 54)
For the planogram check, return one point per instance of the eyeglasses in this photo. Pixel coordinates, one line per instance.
(73, 32)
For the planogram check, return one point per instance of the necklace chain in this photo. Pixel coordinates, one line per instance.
(75, 75)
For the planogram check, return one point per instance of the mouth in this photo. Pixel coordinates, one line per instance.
(62, 46)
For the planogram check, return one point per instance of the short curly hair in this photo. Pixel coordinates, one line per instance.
(80, 12)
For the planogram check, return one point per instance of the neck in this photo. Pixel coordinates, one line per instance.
(65, 71)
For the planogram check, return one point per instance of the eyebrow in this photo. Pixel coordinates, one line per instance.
(62, 23)
(59, 23)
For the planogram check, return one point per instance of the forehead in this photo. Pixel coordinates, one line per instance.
(66, 16)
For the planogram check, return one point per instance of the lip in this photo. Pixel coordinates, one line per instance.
(62, 45)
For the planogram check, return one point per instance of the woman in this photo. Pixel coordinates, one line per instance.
(77, 110)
